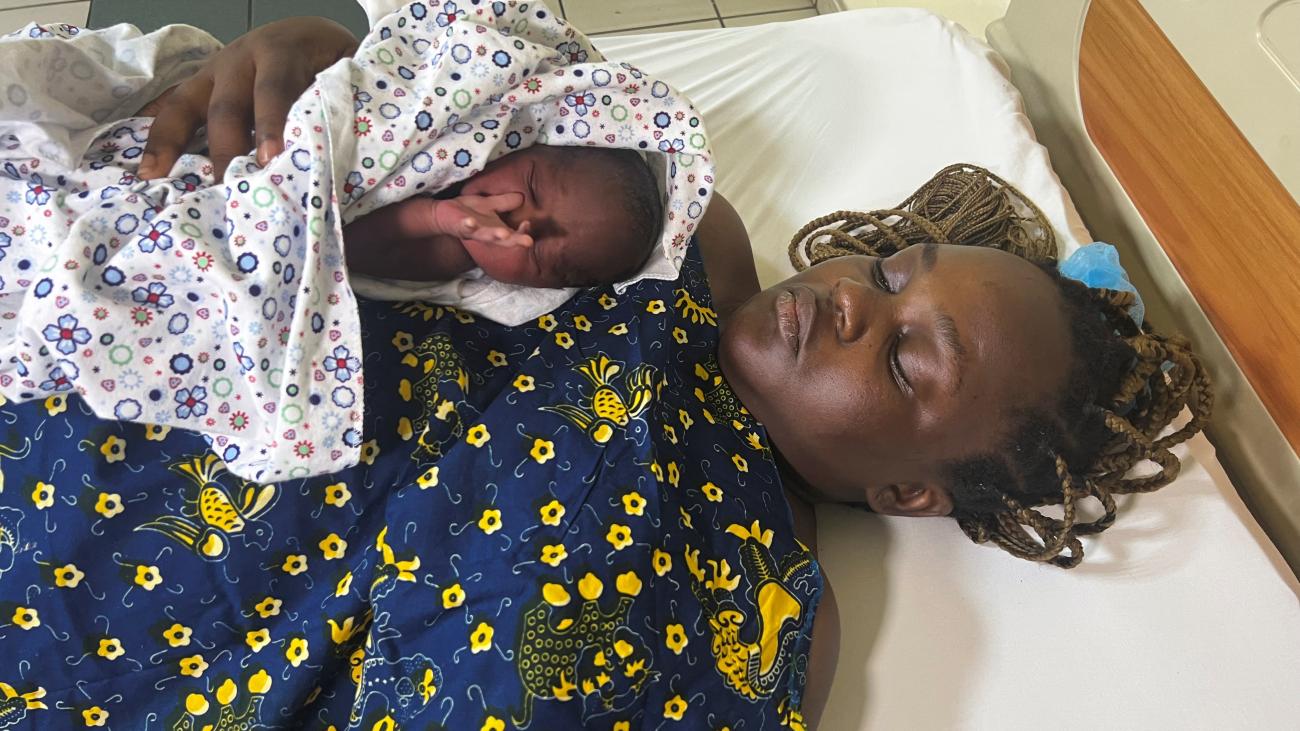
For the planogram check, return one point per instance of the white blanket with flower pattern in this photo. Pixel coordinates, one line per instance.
(224, 306)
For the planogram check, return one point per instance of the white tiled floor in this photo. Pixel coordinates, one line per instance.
(14, 14)
(617, 16)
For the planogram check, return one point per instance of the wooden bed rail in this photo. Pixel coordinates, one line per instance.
(1206, 230)
(1226, 221)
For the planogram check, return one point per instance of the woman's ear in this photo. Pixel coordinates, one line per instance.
(910, 499)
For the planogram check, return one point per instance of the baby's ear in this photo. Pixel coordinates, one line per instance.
(910, 499)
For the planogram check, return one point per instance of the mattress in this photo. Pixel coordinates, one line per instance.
(1182, 616)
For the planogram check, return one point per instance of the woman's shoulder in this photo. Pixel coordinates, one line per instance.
(728, 259)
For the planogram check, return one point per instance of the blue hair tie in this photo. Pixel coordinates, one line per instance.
(1097, 266)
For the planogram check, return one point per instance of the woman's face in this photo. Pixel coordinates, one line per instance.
(871, 374)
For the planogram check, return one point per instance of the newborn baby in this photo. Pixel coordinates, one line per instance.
(552, 217)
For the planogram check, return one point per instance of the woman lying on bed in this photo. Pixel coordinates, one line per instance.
(581, 520)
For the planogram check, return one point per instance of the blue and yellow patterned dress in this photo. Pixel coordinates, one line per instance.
(571, 523)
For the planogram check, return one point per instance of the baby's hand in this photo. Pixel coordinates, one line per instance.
(477, 218)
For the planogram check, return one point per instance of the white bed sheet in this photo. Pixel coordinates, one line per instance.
(1183, 616)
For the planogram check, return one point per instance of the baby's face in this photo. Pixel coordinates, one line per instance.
(576, 223)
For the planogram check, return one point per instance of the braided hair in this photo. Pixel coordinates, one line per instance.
(1127, 384)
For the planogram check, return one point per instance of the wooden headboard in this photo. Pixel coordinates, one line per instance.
(1208, 233)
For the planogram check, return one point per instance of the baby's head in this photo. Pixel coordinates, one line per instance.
(594, 215)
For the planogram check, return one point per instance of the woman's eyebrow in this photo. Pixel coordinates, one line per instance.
(950, 343)
(929, 255)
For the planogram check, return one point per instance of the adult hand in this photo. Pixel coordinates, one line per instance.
(243, 94)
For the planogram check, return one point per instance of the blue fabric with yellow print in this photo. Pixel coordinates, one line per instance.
(568, 523)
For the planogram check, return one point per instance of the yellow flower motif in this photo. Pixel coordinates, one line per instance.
(679, 335)
(657, 471)
(108, 504)
(546, 322)
(344, 585)
(628, 583)
(177, 635)
(260, 682)
(490, 521)
(712, 492)
(403, 341)
(553, 554)
(56, 404)
(387, 723)
(552, 512)
(428, 479)
(754, 440)
(555, 595)
(741, 463)
(686, 517)
(337, 494)
(147, 577)
(370, 450)
(622, 726)
(294, 564)
(332, 546)
(193, 666)
(404, 429)
(542, 451)
(619, 536)
(478, 435)
(268, 607)
(633, 503)
(68, 576)
(94, 716)
(670, 433)
(675, 638)
(257, 639)
(685, 418)
(619, 329)
(464, 318)
(564, 340)
(674, 475)
(674, 708)
(655, 307)
(497, 358)
(155, 433)
(524, 383)
(196, 704)
(43, 495)
(582, 323)
(607, 302)
(26, 618)
(110, 648)
(663, 563)
(481, 639)
(113, 449)
(453, 596)
(590, 587)
(492, 723)
(296, 652)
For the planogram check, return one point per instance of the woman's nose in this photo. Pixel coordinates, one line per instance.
(851, 301)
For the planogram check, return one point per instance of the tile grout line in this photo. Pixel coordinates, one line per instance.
(769, 12)
(717, 14)
(616, 31)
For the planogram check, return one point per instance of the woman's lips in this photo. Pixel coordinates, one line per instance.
(787, 319)
(795, 310)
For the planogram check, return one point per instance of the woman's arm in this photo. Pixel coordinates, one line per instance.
(248, 85)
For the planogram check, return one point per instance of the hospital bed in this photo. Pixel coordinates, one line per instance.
(1185, 615)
